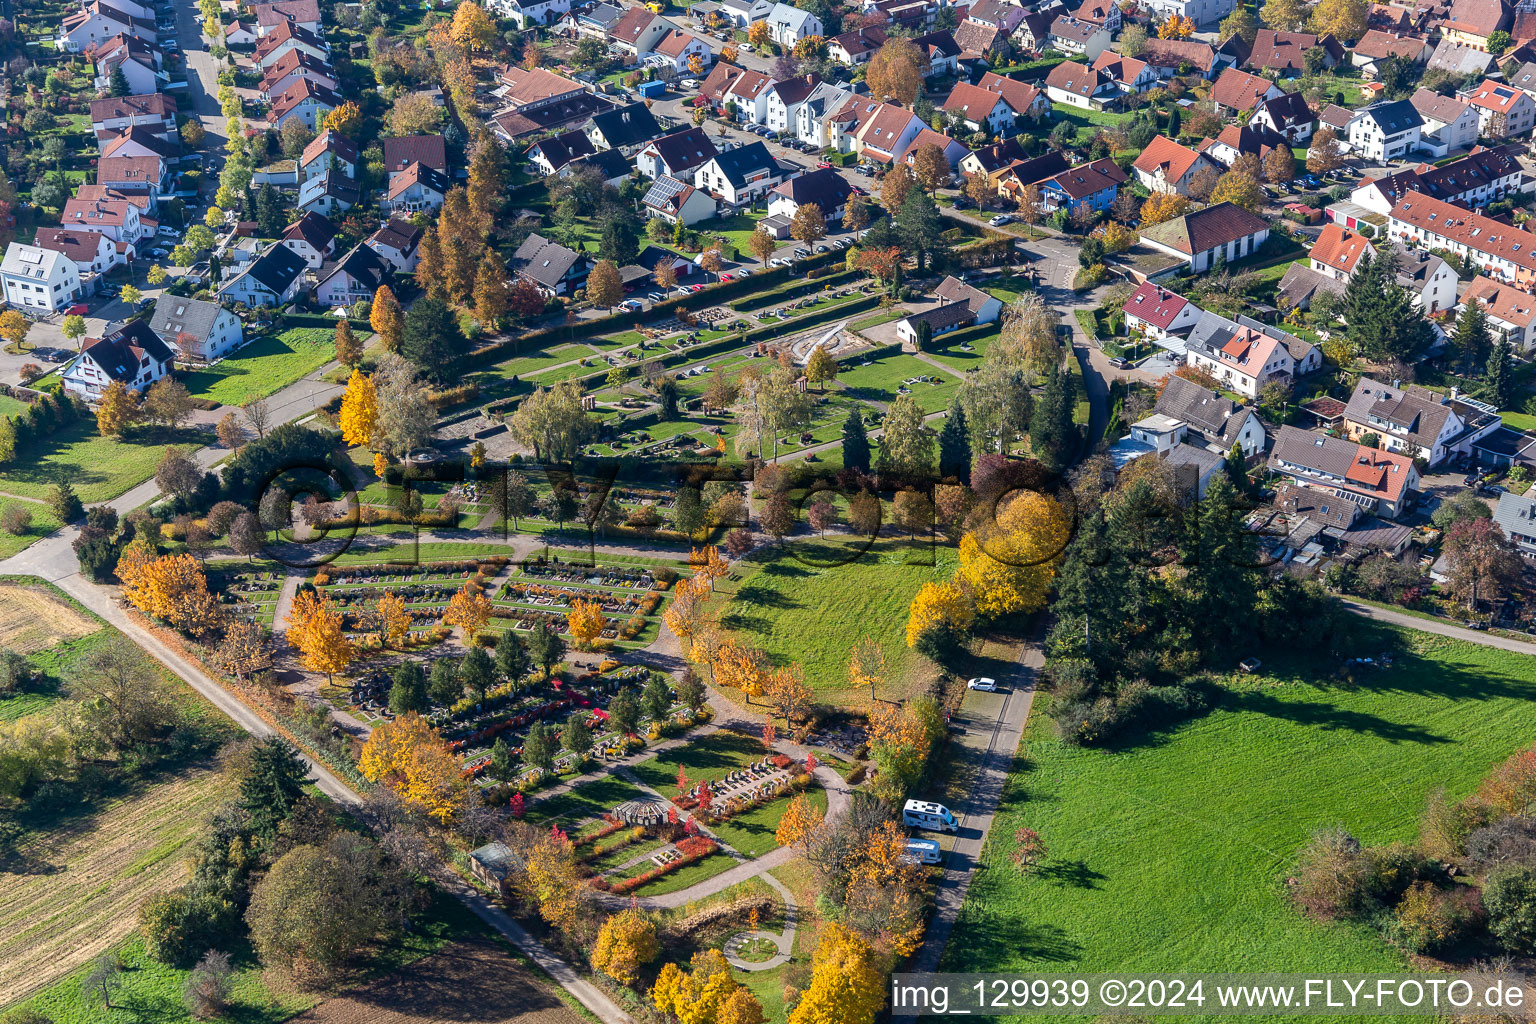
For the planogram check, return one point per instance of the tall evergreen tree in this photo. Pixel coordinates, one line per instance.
(1501, 384)
(920, 226)
(272, 784)
(1471, 339)
(855, 443)
(955, 445)
(1099, 584)
(1052, 434)
(512, 659)
(1383, 321)
(1219, 585)
(432, 339)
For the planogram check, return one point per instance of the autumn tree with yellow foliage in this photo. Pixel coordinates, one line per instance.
(885, 891)
(799, 821)
(1008, 565)
(552, 882)
(409, 757)
(469, 609)
(938, 605)
(394, 620)
(359, 409)
(847, 985)
(585, 622)
(866, 665)
(171, 588)
(625, 943)
(1163, 206)
(685, 612)
(314, 627)
(1176, 27)
(472, 27)
(706, 993)
(708, 564)
(118, 409)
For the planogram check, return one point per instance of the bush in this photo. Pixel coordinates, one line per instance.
(1507, 843)
(1329, 880)
(1510, 896)
(178, 926)
(16, 521)
(1430, 919)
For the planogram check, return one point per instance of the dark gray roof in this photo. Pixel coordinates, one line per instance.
(628, 125)
(1217, 418)
(947, 315)
(276, 268)
(362, 264)
(1213, 330)
(736, 164)
(1516, 516)
(1301, 282)
(561, 149)
(175, 316)
(683, 151)
(1394, 116)
(119, 353)
(1330, 456)
(542, 261)
(610, 163)
(1330, 510)
(824, 187)
(1418, 417)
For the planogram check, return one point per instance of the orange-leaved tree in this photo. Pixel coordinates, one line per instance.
(409, 757)
(315, 628)
(394, 620)
(585, 622)
(469, 608)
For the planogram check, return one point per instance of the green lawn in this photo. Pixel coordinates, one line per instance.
(1169, 855)
(706, 760)
(691, 875)
(735, 230)
(44, 522)
(881, 379)
(99, 468)
(266, 365)
(810, 600)
(753, 832)
(589, 801)
(11, 406)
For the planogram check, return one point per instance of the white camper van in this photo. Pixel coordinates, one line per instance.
(924, 851)
(927, 815)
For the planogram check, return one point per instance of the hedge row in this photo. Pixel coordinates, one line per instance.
(796, 289)
(712, 296)
(321, 320)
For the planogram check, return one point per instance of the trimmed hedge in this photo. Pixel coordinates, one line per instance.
(796, 289)
(320, 320)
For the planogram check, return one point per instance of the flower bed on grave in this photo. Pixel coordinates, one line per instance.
(690, 850)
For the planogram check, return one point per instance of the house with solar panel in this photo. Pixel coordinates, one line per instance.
(37, 278)
(674, 201)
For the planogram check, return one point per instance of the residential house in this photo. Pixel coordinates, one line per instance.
(1503, 111)
(680, 49)
(1286, 115)
(597, 21)
(788, 25)
(35, 278)
(1243, 355)
(856, 46)
(985, 308)
(1078, 85)
(306, 101)
(1522, 78)
(1100, 12)
(144, 175)
(1449, 123)
(1460, 61)
(1388, 130)
(551, 267)
(397, 242)
(271, 279)
(612, 166)
(1159, 314)
(551, 155)
(1501, 251)
(1167, 56)
(330, 150)
(1284, 53)
(1510, 312)
(782, 101)
(730, 88)
(811, 117)
(742, 13)
(991, 161)
(1128, 75)
(132, 355)
(1471, 22)
(738, 177)
(1078, 38)
(953, 151)
(142, 64)
(240, 34)
(155, 113)
(329, 192)
(1025, 100)
(312, 237)
(941, 53)
(1222, 232)
(117, 218)
(1093, 186)
(1032, 34)
(285, 39)
(96, 22)
(1021, 173)
(825, 188)
(137, 141)
(1414, 421)
(985, 44)
(530, 13)
(1377, 46)
(626, 129)
(639, 30)
(672, 200)
(1169, 166)
(303, 14)
(195, 329)
(416, 188)
(92, 252)
(1236, 140)
(1480, 177)
(980, 109)
(356, 276)
(292, 66)
(403, 150)
(932, 322)
(1515, 514)
(1204, 13)
(678, 154)
(1237, 92)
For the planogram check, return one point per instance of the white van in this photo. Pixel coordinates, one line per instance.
(930, 816)
(923, 851)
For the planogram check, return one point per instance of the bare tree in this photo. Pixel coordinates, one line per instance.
(256, 414)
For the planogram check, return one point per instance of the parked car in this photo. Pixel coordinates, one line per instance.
(727, 276)
(1119, 362)
(802, 253)
(986, 683)
(822, 165)
(689, 83)
(78, 309)
(1000, 220)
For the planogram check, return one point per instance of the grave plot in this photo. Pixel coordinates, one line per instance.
(426, 590)
(249, 594)
(632, 598)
